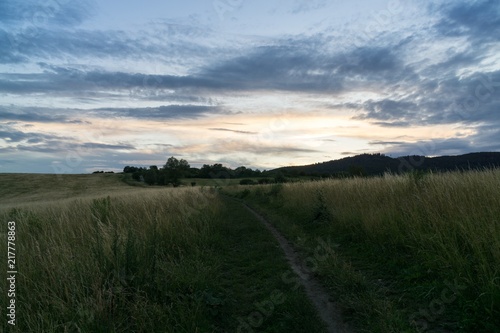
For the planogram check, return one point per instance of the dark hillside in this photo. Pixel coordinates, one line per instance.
(377, 164)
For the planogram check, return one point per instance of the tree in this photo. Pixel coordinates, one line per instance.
(151, 177)
(279, 177)
(215, 171)
(130, 169)
(357, 171)
(175, 169)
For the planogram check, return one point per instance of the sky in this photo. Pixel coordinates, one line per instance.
(99, 85)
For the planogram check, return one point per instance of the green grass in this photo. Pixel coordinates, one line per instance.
(210, 182)
(144, 260)
(95, 254)
(402, 241)
(19, 189)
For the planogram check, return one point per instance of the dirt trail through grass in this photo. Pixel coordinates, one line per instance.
(327, 309)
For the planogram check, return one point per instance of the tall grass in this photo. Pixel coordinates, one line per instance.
(121, 264)
(447, 224)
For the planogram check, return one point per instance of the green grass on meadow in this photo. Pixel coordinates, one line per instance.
(145, 260)
(414, 252)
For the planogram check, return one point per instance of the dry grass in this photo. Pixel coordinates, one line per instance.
(90, 263)
(36, 188)
(96, 255)
(448, 225)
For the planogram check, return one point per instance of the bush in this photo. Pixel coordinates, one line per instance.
(247, 182)
(265, 181)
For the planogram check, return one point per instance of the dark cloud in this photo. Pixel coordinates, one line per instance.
(293, 65)
(230, 130)
(41, 145)
(261, 149)
(435, 147)
(484, 140)
(387, 143)
(470, 99)
(20, 141)
(290, 65)
(479, 20)
(11, 135)
(77, 116)
(160, 113)
(392, 124)
(38, 115)
(91, 145)
(366, 60)
(389, 110)
(62, 81)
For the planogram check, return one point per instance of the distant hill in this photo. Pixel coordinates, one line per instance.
(378, 164)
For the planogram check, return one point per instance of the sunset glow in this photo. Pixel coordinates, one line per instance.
(93, 85)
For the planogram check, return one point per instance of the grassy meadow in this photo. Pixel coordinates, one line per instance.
(97, 255)
(413, 252)
(19, 189)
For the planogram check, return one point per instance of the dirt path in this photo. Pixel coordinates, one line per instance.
(327, 309)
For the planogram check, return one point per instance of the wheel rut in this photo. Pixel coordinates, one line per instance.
(327, 309)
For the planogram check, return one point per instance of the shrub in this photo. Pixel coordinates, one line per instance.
(247, 182)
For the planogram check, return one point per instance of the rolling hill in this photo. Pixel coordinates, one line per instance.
(378, 164)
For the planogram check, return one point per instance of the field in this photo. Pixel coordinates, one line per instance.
(117, 258)
(409, 253)
(418, 248)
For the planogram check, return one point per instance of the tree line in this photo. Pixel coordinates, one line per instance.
(174, 170)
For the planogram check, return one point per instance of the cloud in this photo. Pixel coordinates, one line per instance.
(296, 64)
(50, 44)
(12, 135)
(306, 65)
(392, 124)
(92, 145)
(233, 146)
(187, 45)
(37, 115)
(40, 144)
(485, 140)
(67, 81)
(469, 100)
(366, 60)
(230, 130)
(160, 113)
(300, 7)
(79, 116)
(34, 13)
(20, 141)
(478, 20)
(442, 72)
(290, 66)
(386, 143)
(388, 109)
